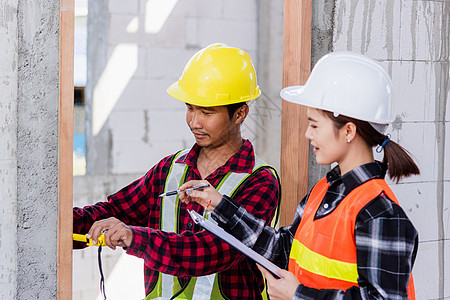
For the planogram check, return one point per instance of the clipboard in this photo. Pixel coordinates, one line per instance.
(221, 233)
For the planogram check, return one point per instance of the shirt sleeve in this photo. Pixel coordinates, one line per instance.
(198, 252)
(386, 246)
(132, 204)
(255, 233)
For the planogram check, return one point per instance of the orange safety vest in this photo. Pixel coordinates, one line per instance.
(323, 253)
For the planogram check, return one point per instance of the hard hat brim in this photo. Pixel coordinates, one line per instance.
(175, 91)
(298, 94)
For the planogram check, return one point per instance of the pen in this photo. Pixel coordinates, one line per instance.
(179, 192)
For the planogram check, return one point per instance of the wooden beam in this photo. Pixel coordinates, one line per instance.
(296, 69)
(65, 167)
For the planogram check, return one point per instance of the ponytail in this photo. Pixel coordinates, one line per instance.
(399, 162)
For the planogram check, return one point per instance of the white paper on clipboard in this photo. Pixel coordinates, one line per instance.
(219, 232)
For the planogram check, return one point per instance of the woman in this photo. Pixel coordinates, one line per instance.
(350, 239)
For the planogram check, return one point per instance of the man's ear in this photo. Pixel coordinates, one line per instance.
(241, 113)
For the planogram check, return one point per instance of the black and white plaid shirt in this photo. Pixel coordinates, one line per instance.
(386, 240)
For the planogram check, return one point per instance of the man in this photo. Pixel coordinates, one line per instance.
(215, 85)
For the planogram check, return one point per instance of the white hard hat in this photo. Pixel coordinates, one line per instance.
(349, 84)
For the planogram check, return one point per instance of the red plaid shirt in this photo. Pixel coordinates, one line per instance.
(191, 251)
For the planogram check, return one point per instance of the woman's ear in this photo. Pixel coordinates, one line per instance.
(350, 131)
(241, 113)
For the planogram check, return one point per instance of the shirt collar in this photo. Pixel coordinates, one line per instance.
(357, 176)
(241, 162)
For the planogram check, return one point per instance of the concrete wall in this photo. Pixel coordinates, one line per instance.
(411, 40)
(265, 114)
(37, 148)
(28, 153)
(8, 148)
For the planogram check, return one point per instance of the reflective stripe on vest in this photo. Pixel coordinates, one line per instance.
(319, 264)
(323, 254)
(203, 287)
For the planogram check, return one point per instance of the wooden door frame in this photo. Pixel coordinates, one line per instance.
(65, 162)
(296, 69)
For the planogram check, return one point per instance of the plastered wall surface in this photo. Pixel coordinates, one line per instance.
(411, 40)
(8, 148)
(29, 78)
(37, 148)
(264, 121)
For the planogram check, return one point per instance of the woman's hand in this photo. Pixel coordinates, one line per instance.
(207, 197)
(280, 289)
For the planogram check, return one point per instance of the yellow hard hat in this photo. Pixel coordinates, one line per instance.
(215, 76)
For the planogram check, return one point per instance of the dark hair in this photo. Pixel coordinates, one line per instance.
(232, 108)
(400, 164)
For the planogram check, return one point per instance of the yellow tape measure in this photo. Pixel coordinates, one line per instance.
(83, 238)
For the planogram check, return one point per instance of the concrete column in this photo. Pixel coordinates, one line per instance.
(8, 147)
(37, 148)
(266, 111)
(321, 44)
(29, 78)
(98, 143)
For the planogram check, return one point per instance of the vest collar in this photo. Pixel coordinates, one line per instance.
(357, 176)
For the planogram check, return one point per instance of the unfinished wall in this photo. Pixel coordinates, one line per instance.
(29, 78)
(136, 50)
(37, 148)
(321, 44)
(411, 40)
(265, 114)
(8, 147)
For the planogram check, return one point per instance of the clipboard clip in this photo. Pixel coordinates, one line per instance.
(195, 216)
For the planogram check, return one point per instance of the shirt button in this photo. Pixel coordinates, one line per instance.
(135, 251)
(325, 205)
(189, 225)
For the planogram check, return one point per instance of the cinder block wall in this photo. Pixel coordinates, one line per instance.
(134, 53)
(411, 40)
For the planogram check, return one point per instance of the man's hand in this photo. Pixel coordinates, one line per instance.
(117, 233)
(280, 289)
(207, 197)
